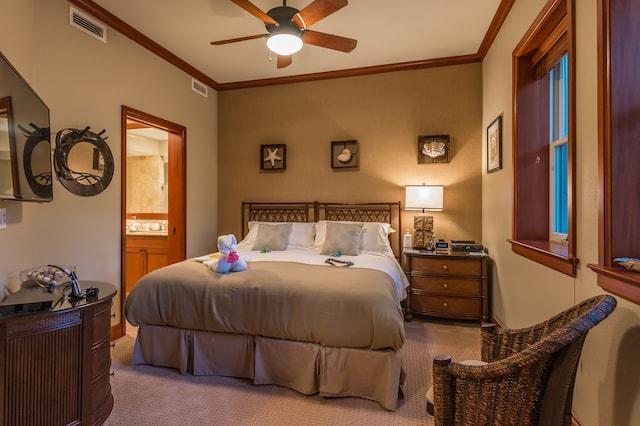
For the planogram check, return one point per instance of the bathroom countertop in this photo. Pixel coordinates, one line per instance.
(147, 233)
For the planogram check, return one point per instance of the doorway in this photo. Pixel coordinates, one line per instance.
(153, 223)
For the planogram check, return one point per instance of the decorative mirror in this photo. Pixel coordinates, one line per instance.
(83, 161)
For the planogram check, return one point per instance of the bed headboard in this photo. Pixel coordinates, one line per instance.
(312, 211)
(386, 212)
(276, 212)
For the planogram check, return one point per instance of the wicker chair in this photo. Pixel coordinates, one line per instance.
(529, 375)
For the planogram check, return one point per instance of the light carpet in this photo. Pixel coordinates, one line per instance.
(148, 395)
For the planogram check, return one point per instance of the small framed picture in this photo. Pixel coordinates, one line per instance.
(494, 145)
(345, 155)
(433, 149)
(273, 157)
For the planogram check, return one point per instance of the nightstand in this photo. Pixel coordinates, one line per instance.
(452, 285)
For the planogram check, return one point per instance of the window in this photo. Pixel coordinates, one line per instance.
(559, 149)
(619, 150)
(543, 140)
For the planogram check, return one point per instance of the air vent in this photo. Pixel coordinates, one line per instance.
(199, 87)
(88, 24)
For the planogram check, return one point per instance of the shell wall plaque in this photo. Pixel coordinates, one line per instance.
(345, 155)
(433, 149)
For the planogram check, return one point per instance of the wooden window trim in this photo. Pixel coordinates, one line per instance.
(615, 239)
(549, 253)
(551, 33)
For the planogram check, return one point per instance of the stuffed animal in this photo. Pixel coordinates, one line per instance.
(229, 260)
(629, 263)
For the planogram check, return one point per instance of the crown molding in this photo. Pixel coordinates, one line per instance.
(128, 31)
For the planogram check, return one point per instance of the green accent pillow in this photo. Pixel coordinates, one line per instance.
(272, 237)
(343, 238)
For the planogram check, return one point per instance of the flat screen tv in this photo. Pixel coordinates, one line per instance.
(25, 142)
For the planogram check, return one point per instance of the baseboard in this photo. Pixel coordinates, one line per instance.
(493, 320)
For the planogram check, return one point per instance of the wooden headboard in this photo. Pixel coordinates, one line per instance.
(276, 212)
(385, 212)
(312, 211)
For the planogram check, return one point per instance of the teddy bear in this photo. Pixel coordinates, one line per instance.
(229, 259)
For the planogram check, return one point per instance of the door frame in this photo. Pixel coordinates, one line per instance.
(177, 195)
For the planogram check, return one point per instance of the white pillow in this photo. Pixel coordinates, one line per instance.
(302, 234)
(373, 240)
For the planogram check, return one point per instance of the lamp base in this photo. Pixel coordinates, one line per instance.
(423, 226)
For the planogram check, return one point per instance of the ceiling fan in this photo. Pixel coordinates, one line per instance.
(287, 28)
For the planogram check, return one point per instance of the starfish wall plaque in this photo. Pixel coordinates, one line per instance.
(273, 157)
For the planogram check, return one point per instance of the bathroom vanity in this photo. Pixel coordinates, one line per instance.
(145, 252)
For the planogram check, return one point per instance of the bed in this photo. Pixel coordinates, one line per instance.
(335, 329)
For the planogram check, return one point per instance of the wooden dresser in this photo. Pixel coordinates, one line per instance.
(447, 285)
(56, 364)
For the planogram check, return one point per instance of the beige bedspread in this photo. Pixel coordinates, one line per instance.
(342, 307)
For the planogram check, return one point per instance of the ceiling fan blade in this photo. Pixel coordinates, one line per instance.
(284, 61)
(330, 41)
(255, 11)
(316, 11)
(233, 40)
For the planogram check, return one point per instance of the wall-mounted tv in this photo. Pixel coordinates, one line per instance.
(25, 142)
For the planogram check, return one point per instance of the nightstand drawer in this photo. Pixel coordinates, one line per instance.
(458, 307)
(445, 266)
(446, 285)
(101, 357)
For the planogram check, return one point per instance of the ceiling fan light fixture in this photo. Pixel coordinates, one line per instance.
(284, 44)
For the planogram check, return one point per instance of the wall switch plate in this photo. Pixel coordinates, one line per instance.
(3, 218)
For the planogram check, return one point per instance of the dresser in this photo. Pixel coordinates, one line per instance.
(447, 285)
(56, 364)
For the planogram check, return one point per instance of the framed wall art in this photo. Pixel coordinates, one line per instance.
(494, 145)
(433, 149)
(345, 155)
(273, 157)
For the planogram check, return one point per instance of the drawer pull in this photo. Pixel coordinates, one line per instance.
(113, 345)
(445, 304)
(445, 267)
(445, 285)
(113, 315)
(112, 374)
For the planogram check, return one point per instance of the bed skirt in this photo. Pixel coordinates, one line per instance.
(308, 368)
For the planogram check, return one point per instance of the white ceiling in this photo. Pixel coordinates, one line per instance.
(388, 32)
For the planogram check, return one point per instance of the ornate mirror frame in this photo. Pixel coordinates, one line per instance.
(84, 183)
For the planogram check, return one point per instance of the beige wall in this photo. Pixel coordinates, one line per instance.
(85, 82)
(607, 391)
(386, 113)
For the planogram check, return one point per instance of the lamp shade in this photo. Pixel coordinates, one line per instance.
(284, 44)
(424, 197)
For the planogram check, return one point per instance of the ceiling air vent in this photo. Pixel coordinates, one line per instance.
(87, 24)
(199, 87)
